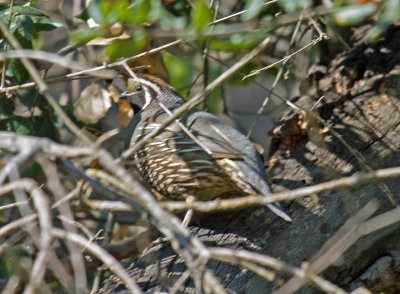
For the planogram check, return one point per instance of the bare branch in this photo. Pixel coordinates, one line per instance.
(345, 182)
(197, 99)
(345, 237)
(17, 161)
(57, 59)
(42, 87)
(236, 257)
(222, 19)
(101, 254)
(13, 142)
(286, 58)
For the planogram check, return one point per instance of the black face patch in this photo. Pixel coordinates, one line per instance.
(140, 93)
(135, 108)
(137, 101)
(136, 95)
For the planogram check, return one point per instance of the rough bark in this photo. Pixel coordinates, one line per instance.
(362, 89)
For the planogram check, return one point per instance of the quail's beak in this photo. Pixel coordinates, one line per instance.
(125, 94)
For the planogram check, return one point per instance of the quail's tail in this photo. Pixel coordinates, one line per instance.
(279, 212)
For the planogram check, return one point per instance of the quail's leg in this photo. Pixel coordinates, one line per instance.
(189, 213)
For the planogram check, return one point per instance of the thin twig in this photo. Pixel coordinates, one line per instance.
(55, 186)
(17, 224)
(254, 200)
(235, 28)
(345, 237)
(42, 87)
(18, 161)
(236, 257)
(14, 142)
(28, 85)
(130, 59)
(3, 70)
(12, 285)
(260, 84)
(259, 270)
(286, 58)
(57, 59)
(32, 229)
(182, 279)
(345, 182)
(197, 98)
(240, 13)
(12, 205)
(101, 254)
(79, 74)
(278, 76)
(212, 284)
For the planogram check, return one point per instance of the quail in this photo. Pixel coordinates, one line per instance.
(199, 157)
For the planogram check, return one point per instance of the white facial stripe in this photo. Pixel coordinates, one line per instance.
(147, 96)
(151, 85)
(147, 85)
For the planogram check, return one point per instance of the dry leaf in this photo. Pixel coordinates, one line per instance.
(92, 104)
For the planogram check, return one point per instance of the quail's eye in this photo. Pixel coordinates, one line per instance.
(139, 88)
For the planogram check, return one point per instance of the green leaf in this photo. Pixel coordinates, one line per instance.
(84, 15)
(7, 106)
(180, 70)
(109, 11)
(126, 48)
(236, 42)
(391, 11)
(376, 31)
(237, 78)
(353, 14)
(33, 171)
(19, 72)
(94, 11)
(253, 8)
(45, 24)
(3, 46)
(166, 20)
(43, 127)
(178, 7)
(201, 15)
(4, 19)
(214, 101)
(28, 97)
(169, 22)
(338, 3)
(85, 34)
(22, 29)
(24, 26)
(23, 10)
(294, 5)
(18, 124)
(139, 12)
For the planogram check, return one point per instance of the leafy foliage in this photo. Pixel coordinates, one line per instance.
(118, 29)
(25, 23)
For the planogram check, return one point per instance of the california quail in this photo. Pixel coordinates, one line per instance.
(220, 163)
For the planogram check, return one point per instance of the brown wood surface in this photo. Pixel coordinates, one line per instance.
(362, 103)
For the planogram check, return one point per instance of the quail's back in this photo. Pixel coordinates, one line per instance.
(201, 157)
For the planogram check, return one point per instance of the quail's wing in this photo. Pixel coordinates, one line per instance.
(223, 140)
(220, 139)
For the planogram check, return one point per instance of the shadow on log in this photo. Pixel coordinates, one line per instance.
(361, 90)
